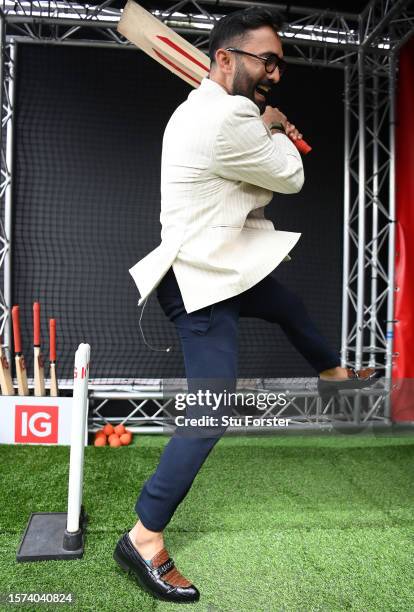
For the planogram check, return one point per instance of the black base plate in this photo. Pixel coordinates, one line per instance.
(43, 537)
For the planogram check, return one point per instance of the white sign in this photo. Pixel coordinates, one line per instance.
(36, 420)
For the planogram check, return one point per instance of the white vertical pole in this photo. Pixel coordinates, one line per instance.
(8, 131)
(359, 342)
(347, 207)
(78, 429)
(392, 79)
(373, 315)
(392, 69)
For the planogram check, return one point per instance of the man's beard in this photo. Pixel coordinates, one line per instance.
(243, 85)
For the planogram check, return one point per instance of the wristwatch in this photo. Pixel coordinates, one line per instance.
(276, 125)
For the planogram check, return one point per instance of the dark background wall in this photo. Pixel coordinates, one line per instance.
(87, 200)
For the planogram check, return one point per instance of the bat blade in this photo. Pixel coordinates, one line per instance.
(163, 44)
(21, 373)
(6, 382)
(39, 367)
(54, 389)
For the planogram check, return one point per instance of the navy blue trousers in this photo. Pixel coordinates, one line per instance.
(209, 340)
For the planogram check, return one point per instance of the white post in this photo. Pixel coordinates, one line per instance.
(78, 429)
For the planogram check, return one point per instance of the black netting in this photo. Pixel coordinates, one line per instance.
(88, 141)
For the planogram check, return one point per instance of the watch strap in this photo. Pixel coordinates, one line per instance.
(276, 125)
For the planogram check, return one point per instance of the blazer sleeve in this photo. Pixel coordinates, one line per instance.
(245, 150)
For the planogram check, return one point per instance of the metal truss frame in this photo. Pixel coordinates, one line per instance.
(153, 408)
(365, 46)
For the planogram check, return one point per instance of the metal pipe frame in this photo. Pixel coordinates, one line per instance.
(368, 315)
(8, 59)
(347, 208)
(365, 46)
(304, 406)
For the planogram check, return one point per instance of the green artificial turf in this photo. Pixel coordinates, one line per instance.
(292, 524)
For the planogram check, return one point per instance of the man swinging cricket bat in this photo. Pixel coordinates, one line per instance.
(225, 152)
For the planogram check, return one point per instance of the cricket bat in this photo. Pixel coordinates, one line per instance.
(170, 49)
(21, 373)
(39, 364)
(6, 382)
(54, 390)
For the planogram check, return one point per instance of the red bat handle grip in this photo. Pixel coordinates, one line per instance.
(52, 336)
(302, 146)
(36, 324)
(16, 329)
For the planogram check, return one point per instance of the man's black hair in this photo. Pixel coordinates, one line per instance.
(234, 28)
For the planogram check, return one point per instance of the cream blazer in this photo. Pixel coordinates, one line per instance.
(220, 166)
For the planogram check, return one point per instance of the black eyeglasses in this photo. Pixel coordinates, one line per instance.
(271, 62)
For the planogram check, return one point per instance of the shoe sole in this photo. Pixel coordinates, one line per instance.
(326, 385)
(123, 564)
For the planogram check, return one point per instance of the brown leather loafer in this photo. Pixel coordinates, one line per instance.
(161, 579)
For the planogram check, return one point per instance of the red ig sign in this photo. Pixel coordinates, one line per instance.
(38, 424)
